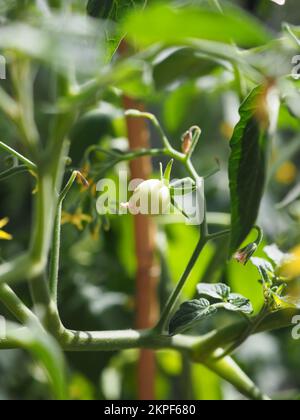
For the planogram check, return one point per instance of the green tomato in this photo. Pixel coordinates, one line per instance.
(150, 197)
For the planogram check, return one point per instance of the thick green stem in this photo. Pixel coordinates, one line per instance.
(252, 326)
(232, 373)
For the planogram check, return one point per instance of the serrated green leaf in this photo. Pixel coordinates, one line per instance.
(190, 314)
(238, 303)
(250, 147)
(217, 291)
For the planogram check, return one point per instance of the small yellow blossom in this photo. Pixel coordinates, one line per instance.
(77, 219)
(291, 269)
(287, 173)
(4, 235)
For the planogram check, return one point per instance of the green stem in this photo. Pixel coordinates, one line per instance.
(22, 79)
(54, 262)
(231, 372)
(161, 326)
(21, 268)
(30, 165)
(12, 302)
(171, 151)
(9, 106)
(218, 235)
(55, 254)
(252, 327)
(14, 170)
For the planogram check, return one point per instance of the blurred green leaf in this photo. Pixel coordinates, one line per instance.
(172, 25)
(100, 8)
(206, 384)
(180, 64)
(62, 41)
(112, 9)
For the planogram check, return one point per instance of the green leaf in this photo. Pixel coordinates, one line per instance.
(171, 25)
(100, 8)
(181, 64)
(220, 292)
(190, 314)
(285, 302)
(112, 9)
(215, 291)
(238, 303)
(250, 146)
(264, 268)
(62, 41)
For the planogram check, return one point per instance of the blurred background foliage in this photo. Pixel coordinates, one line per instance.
(183, 85)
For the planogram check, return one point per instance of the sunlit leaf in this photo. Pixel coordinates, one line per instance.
(250, 146)
(171, 26)
(216, 291)
(238, 303)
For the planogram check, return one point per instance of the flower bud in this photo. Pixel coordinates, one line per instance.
(187, 141)
(244, 254)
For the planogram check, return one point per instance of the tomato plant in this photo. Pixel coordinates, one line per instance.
(78, 79)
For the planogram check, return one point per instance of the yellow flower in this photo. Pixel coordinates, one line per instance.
(287, 173)
(77, 219)
(291, 269)
(4, 235)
